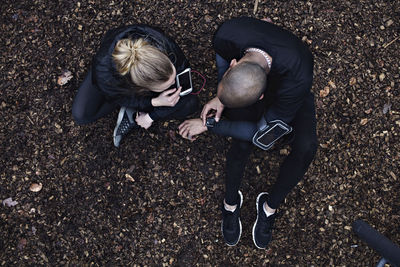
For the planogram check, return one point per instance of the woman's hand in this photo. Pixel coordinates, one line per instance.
(213, 104)
(143, 120)
(168, 98)
(190, 128)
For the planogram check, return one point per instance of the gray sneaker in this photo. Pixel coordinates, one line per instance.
(125, 123)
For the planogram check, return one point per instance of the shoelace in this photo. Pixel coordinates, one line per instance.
(229, 221)
(125, 125)
(266, 226)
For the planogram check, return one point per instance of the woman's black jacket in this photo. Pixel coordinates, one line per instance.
(111, 83)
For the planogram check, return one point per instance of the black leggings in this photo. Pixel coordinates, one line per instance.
(292, 170)
(90, 105)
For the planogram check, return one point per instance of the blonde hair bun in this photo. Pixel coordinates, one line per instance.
(127, 53)
(146, 64)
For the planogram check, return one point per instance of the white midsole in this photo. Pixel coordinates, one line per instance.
(254, 226)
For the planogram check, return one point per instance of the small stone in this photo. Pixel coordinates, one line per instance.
(36, 187)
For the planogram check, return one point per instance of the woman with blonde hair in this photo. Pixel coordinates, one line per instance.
(135, 70)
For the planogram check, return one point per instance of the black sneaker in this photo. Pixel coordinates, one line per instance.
(262, 229)
(125, 123)
(231, 226)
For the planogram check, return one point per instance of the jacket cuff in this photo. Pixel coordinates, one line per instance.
(147, 106)
(154, 116)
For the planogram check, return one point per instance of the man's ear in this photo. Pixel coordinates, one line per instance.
(233, 63)
(261, 97)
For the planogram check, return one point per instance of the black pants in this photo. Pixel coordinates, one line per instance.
(90, 105)
(295, 165)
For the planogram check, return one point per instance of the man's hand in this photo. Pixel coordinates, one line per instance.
(190, 128)
(168, 98)
(213, 104)
(143, 120)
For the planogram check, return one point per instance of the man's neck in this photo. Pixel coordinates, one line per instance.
(257, 58)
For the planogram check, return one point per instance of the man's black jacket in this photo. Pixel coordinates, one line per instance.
(291, 75)
(110, 82)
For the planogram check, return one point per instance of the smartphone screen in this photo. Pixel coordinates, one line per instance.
(272, 135)
(184, 80)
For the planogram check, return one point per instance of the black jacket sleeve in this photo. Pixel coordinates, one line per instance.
(242, 130)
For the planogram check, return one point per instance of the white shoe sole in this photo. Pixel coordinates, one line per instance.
(254, 226)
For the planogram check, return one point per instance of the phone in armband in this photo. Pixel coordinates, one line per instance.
(184, 80)
(269, 133)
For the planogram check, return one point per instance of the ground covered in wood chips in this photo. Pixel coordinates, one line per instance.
(155, 200)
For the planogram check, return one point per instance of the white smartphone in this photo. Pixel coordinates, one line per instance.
(184, 79)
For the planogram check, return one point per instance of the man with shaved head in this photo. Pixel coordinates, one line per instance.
(265, 76)
(247, 75)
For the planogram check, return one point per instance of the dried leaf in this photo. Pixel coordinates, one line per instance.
(363, 121)
(172, 134)
(36, 187)
(22, 243)
(258, 169)
(129, 177)
(201, 201)
(64, 78)
(332, 84)
(368, 111)
(284, 151)
(9, 202)
(382, 77)
(386, 108)
(324, 145)
(353, 81)
(324, 92)
(150, 218)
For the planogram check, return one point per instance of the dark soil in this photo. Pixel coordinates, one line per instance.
(155, 200)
